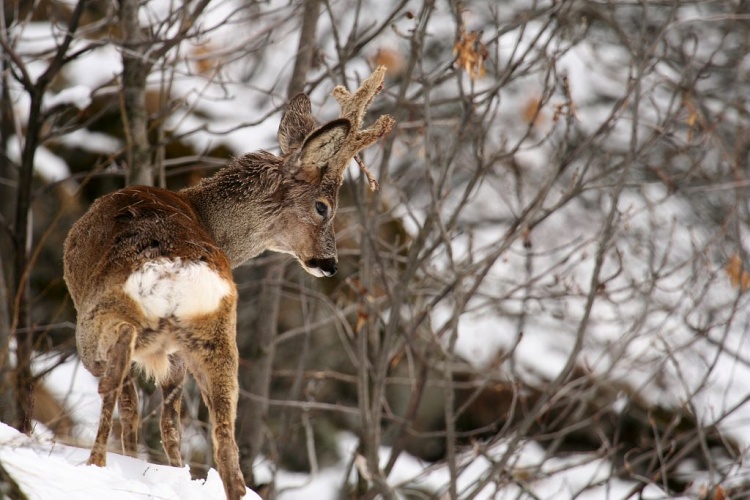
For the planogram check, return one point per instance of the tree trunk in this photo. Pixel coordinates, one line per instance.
(256, 380)
(8, 413)
(135, 69)
(257, 348)
(21, 322)
(306, 48)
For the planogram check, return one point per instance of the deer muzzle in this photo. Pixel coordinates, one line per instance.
(322, 267)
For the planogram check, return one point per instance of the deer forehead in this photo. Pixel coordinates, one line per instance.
(173, 288)
(304, 193)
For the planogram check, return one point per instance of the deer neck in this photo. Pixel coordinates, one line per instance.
(239, 205)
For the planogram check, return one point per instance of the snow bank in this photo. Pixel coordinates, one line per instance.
(48, 470)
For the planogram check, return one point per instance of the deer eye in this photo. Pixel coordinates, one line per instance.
(321, 208)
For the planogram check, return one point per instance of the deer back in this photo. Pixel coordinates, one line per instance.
(124, 230)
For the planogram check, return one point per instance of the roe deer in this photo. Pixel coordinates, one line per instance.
(149, 270)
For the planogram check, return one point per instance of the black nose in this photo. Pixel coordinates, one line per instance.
(328, 266)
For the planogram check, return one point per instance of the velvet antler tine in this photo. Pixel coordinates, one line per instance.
(353, 108)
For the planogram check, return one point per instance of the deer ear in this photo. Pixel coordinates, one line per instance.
(323, 144)
(296, 123)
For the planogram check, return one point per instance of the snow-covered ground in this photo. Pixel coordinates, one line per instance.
(46, 470)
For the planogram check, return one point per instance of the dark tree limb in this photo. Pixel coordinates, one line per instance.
(258, 352)
(21, 315)
(135, 70)
(306, 48)
(7, 119)
(139, 54)
(257, 377)
(9, 486)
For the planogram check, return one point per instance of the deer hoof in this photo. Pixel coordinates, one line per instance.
(98, 459)
(236, 488)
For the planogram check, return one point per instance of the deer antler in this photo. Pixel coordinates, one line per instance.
(353, 107)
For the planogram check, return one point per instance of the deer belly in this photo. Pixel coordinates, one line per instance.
(174, 289)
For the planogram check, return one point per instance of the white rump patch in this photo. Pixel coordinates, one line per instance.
(167, 288)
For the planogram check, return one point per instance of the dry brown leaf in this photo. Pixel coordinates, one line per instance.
(693, 119)
(471, 53)
(738, 276)
(531, 112)
(392, 60)
(720, 494)
(396, 359)
(205, 59)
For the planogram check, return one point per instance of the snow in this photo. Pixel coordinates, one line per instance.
(96, 142)
(77, 390)
(96, 67)
(46, 470)
(583, 475)
(78, 96)
(48, 165)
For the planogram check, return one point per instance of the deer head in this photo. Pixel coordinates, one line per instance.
(316, 158)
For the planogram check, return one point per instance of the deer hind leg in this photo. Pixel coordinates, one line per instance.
(128, 405)
(117, 365)
(214, 366)
(171, 429)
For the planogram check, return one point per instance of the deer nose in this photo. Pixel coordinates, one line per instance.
(327, 266)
